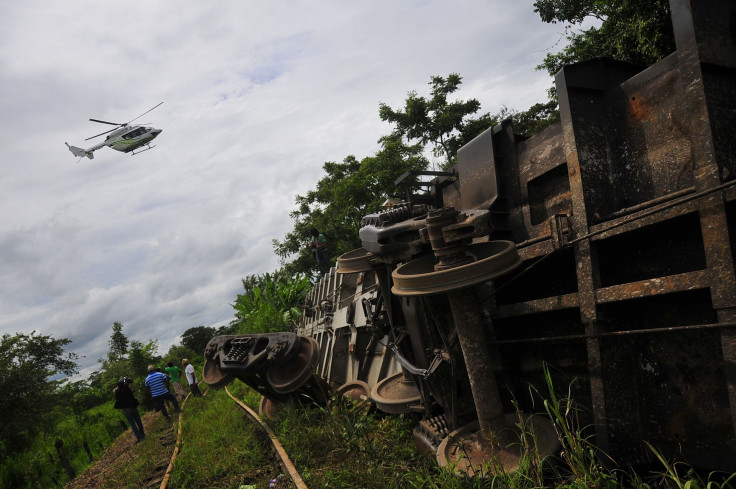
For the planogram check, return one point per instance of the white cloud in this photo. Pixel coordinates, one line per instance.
(257, 96)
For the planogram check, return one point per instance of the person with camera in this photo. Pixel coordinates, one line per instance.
(126, 401)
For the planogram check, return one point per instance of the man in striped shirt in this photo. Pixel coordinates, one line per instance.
(157, 384)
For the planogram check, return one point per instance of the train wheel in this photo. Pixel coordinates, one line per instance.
(268, 408)
(397, 394)
(354, 261)
(469, 451)
(214, 377)
(289, 375)
(357, 390)
(490, 260)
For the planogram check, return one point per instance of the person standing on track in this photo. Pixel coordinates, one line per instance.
(191, 377)
(157, 384)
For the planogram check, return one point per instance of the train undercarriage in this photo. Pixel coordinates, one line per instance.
(602, 247)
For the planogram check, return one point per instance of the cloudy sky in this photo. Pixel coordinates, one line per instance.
(257, 96)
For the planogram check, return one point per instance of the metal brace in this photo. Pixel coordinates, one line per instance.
(410, 367)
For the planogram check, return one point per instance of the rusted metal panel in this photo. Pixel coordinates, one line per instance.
(533, 250)
(568, 301)
(476, 186)
(655, 286)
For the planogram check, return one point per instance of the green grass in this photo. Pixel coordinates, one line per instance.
(344, 445)
(219, 447)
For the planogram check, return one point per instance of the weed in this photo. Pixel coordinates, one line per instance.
(580, 455)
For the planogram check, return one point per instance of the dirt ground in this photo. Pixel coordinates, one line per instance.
(123, 451)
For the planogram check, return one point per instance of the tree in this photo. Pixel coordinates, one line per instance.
(630, 30)
(118, 341)
(348, 191)
(28, 363)
(196, 338)
(529, 122)
(177, 352)
(140, 357)
(270, 302)
(435, 120)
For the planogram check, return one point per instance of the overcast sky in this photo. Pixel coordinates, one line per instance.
(257, 96)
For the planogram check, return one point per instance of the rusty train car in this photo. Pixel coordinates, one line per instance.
(603, 247)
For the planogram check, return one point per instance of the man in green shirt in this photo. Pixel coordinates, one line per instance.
(173, 371)
(319, 246)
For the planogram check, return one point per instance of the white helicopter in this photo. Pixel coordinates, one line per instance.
(124, 137)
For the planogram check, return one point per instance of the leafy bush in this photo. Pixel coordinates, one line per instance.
(83, 437)
(270, 303)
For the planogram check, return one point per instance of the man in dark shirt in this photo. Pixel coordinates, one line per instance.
(125, 400)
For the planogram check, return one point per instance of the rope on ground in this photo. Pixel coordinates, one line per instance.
(286, 461)
(176, 447)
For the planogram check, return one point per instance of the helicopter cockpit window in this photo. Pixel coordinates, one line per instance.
(138, 132)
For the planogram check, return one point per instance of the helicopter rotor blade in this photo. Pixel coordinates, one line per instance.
(100, 134)
(146, 112)
(105, 122)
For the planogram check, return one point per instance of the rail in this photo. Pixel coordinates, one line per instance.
(281, 454)
(283, 457)
(177, 446)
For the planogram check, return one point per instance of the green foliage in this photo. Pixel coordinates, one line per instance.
(177, 353)
(221, 447)
(348, 445)
(533, 120)
(435, 120)
(118, 341)
(348, 191)
(681, 476)
(196, 338)
(139, 358)
(630, 30)
(578, 452)
(270, 302)
(39, 465)
(28, 362)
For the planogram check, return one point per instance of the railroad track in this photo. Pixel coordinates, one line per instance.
(282, 457)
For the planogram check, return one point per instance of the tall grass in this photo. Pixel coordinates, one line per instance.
(679, 475)
(219, 447)
(345, 445)
(582, 466)
(342, 445)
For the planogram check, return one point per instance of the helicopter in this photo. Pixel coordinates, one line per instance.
(124, 137)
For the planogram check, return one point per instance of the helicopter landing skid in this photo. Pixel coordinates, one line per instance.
(141, 151)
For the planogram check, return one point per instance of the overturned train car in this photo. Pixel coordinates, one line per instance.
(602, 247)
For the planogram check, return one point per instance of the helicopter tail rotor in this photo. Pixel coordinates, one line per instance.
(80, 152)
